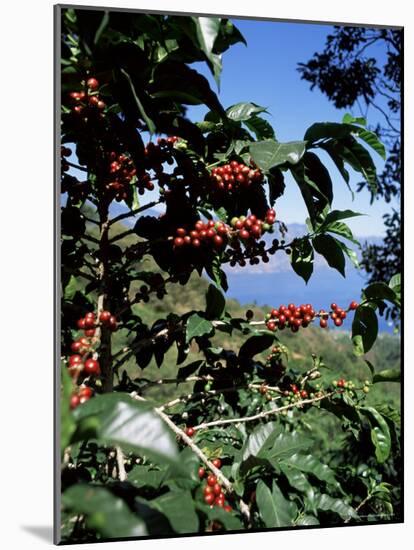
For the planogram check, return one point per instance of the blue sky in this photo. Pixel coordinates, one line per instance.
(265, 72)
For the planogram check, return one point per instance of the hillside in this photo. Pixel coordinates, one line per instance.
(333, 345)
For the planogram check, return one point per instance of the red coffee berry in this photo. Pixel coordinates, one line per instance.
(208, 490)
(333, 306)
(92, 83)
(92, 367)
(228, 508)
(217, 463)
(209, 499)
(217, 489)
(90, 332)
(85, 391)
(353, 305)
(104, 316)
(181, 232)
(178, 241)
(211, 480)
(190, 431)
(304, 394)
(81, 324)
(323, 323)
(76, 346)
(75, 360)
(201, 472)
(74, 401)
(338, 322)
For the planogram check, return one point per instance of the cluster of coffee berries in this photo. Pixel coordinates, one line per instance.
(121, 171)
(213, 491)
(295, 392)
(207, 234)
(83, 394)
(251, 228)
(292, 316)
(64, 152)
(337, 314)
(301, 316)
(87, 101)
(274, 358)
(234, 176)
(158, 153)
(341, 385)
(108, 320)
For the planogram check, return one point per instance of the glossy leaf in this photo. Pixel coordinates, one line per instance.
(179, 509)
(336, 505)
(275, 510)
(387, 375)
(255, 344)
(364, 329)
(311, 465)
(197, 326)
(241, 112)
(380, 433)
(105, 513)
(215, 303)
(331, 250)
(121, 420)
(260, 127)
(207, 30)
(301, 259)
(270, 153)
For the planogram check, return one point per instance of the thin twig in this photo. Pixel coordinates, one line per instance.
(262, 414)
(199, 453)
(133, 212)
(122, 475)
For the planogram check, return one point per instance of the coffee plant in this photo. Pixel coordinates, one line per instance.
(233, 447)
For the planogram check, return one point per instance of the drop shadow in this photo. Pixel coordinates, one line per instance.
(42, 532)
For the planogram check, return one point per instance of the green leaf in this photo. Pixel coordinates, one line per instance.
(379, 291)
(276, 182)
(241, 112)
(256, 344)
(286, 445)
(380, 433)
(387, 375)
(102, 26)
(148, 121)
(331, 250)
(270, 153)
(352, 255)
(216, 274)
(260, 439)
(336, 505)
(334, 151)
(349, 119)
(297, 479)
(341, 229)
(301, 259)
(71, 288)
(214, 513)
(121, 420)
(215, 303)
(275, 510)
(360, 160)
(260, 127)
(307, 520)
(395, 282)
(197, 326)
(67, 422)
(337, 215)
(179, 509)
(311, 465)
(207, 30)
(315, 185)
(364, 329)
(105, 513)
(146, 476)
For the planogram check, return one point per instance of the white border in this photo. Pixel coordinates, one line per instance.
(27, 270)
